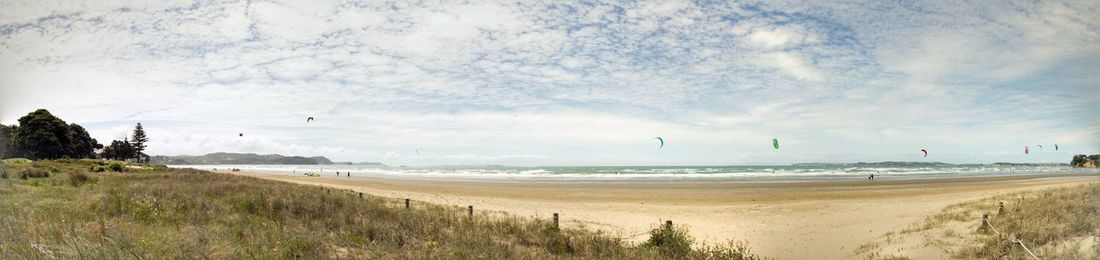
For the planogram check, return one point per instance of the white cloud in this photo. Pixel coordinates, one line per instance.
(562, 82)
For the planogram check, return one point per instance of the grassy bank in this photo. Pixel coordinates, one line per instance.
(148, 212)
(1062, 223)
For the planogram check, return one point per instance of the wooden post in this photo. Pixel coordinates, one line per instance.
(668, 225)
(985, 223)
(406, 203)
(1021, 204)
(555, 221)
(470, 210)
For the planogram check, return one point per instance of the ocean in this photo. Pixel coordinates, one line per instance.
(809, 172)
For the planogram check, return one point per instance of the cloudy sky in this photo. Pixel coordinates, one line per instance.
(566, 83)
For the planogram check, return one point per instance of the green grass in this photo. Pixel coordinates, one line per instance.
(154, 212)
(16, 161)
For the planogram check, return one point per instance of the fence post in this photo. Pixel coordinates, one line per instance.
(406, 203)
(984, 226)
(555, 221)
(470, 210)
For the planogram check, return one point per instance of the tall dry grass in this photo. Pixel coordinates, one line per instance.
(1048, 222)
(168, 213)
(1055, 223)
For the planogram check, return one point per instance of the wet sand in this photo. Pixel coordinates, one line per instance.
(785, 220)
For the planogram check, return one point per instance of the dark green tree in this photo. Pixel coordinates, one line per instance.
(118, 150)
(7, 133)
(82, 145)
(138, 141)
(42, 136)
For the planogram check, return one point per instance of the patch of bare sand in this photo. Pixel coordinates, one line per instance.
(785, 220)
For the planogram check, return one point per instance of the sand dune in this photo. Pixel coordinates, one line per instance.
(785, 220)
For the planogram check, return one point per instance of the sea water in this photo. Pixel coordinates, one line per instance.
(762, 173)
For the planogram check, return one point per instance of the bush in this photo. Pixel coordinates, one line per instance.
(115, 167)
(670, 241)
(97, 168)
(78, 178)
(33, 173)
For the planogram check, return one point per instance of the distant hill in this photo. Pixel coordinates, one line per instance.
(240, 158)
(887, 164)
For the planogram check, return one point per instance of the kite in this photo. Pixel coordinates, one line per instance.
(662, 140)
(925, 152)
(1026, 149)
(1055, 147)
(775, 143)
(310, 119)
(241, 134)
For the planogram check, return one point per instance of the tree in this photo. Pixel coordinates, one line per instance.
(139, 140)
(83, 145)
(118, 150)
(7, 133)
(42, 136)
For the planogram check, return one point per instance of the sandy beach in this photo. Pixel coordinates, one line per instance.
(784, 220)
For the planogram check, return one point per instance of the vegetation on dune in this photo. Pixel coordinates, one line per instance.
(1050, 223)
(1060, 223)
(151, 211)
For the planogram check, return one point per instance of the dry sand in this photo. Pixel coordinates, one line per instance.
(784, 220)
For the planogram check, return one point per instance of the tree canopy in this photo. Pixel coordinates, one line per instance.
(41, 135)
(7, 133)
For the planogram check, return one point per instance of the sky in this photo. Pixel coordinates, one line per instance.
(567, 83)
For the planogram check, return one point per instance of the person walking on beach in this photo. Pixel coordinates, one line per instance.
(872, 177)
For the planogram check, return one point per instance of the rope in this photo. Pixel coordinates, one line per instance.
(990, 225)
(1018, 241)
(1021, 242)
(635, 235)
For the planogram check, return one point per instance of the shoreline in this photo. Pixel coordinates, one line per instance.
(689, 174)
(787, 220)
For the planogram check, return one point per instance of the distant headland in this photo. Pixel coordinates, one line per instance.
(248, 158)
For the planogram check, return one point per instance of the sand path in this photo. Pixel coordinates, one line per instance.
(784, 220)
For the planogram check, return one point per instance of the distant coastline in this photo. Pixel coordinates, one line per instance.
(248, 158)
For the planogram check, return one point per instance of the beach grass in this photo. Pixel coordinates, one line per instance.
(150, 211)
(1058, 223)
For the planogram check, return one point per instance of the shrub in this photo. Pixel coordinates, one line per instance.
(97, 168)
(670, 241)
(33, 173)
(115, 167)
(78, 178)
